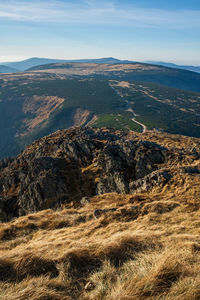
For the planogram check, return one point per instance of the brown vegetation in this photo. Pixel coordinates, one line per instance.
(40, 107)
(121, 254)
(135, 246)
(81, 117)
(92, 68)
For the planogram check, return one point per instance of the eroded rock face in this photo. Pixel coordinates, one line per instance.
(156, 178)
(72, 164)
(125, 161)
(42, 184)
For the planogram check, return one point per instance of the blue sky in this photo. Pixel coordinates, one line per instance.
(167, 30)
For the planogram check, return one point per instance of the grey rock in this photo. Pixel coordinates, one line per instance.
(50, 172)
(84, 201)
(156, 178)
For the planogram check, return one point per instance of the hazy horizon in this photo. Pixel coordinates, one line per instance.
(79, 58)
(82, 29)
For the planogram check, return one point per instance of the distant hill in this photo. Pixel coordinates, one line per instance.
(171, 65)
(36, 61)
(176, 78)
(107, 60)
(31, 62)
(6, 69)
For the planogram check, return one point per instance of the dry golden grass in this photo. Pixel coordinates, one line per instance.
(149, 248)
(92, 68)
(139, 246)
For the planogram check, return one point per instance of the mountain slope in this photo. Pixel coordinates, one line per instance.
(35, 104)
(36, 61)
(6, 69)
(32, 107)
(142, 245)
(171, 65)
(157, 106)
(31, 62)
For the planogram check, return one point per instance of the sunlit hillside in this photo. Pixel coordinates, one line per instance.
(139, 245)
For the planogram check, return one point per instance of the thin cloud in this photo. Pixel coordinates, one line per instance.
(91, 12)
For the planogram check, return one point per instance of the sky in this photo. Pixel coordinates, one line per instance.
(139, 30)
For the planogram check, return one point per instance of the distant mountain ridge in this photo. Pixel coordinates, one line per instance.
(175, 66)
(36, 61)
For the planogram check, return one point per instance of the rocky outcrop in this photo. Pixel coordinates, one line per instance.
(42, 184)
(155, 179)
(71, 164)
(125, 161)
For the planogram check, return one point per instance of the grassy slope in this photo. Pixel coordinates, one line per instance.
(157, 106)
(117, 121)
(148, 248)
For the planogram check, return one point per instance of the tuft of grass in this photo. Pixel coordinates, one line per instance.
(30, 265)
(40, 288)
(7, 272)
